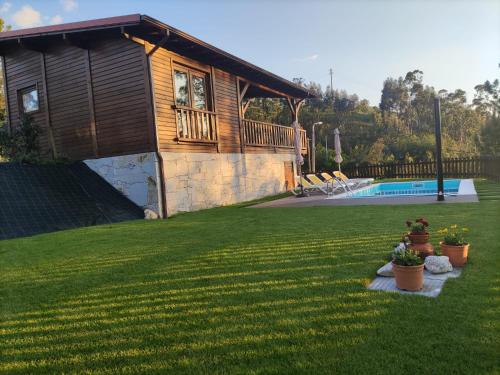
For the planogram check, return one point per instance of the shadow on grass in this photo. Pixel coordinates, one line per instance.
(236, 291)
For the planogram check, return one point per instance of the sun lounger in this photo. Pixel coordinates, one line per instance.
(330, 184)
(308, 186)
(352, 182)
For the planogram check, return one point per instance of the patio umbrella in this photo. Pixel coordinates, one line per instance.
(297, 146)
(298, 155)
(338, 147)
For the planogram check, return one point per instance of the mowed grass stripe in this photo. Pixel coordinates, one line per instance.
(233, 291)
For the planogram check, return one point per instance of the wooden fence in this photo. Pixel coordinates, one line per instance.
(488, 167)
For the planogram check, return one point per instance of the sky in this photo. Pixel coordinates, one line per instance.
(456, 43)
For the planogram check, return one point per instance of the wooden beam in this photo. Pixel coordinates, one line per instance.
(246, 105)
(23, 43)
(72, 41)
(6, 95)
(90, 95)
(243, 92)
(161, 43)
(48, 120)
(240, 117)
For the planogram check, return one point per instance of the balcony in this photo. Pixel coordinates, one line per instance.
(196, 125)
(263, 134)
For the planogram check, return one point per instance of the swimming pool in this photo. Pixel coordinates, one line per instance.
(412, 188)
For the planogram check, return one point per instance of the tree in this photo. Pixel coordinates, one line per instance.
(3, 27)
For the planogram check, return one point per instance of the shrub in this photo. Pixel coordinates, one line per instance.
(23, 143)
(406, 258)
(418, 227)
(454, 236)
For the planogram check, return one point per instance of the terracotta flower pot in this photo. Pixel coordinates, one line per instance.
(423, 249)
(409, 277)
(457, 254)
(419, 238)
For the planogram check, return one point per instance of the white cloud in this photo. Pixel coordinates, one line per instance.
(56, 19)
(5, 7)
(27, 17)
(69, 5)
(308, 58)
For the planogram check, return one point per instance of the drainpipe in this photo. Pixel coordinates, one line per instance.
(162, 202)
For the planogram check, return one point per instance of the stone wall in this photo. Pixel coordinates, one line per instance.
(197, 181)
(133, 175)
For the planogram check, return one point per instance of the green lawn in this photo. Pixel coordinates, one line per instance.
(238, 290)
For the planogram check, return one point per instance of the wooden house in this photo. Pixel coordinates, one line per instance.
(156, 112)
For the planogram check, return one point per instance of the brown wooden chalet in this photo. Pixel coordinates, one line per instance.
(132, 84)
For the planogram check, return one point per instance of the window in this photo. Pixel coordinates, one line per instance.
(199, 92)
(193, 98)
(191, 88)
(28, 98)
(181, 88)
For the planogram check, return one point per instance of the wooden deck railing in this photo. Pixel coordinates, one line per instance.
(271, 135)
(196, 125)
(485, 166)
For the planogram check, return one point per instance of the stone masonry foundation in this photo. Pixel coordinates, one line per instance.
(196, 181)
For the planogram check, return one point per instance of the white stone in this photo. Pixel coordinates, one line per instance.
(386, 270)
(150, 214)
(438, 264)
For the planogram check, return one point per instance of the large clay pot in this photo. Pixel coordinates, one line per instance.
(409, 277)
(423, 249)
(418, 238)
(457, 254)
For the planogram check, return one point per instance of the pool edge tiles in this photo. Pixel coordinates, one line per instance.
(465, 187)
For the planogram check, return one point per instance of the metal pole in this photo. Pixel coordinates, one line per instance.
(314, 149)
(439, 161)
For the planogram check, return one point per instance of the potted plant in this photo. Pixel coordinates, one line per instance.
(455, 245)
(408, 269)
(418, 231)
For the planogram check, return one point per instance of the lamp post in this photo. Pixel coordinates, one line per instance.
(314, 145)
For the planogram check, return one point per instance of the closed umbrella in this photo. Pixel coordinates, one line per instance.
(298, 155)
(297, 146)
(338, 147)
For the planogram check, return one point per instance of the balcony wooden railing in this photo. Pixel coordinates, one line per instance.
(271, 135)
(196, 125)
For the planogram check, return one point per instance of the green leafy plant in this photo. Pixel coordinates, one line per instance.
(419, 226)
(406, 258)
(454, 236)
(23, 143)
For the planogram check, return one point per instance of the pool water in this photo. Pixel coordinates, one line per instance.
(407, 188)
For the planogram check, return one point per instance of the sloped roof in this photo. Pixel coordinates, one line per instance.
(178, 41)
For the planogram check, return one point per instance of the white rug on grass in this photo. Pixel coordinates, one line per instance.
(433, 283)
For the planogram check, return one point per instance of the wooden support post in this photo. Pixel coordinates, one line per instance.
(214, 104)
(295, 105)
(90, 96)
(6, 95)
(47, 107)
(241, 113)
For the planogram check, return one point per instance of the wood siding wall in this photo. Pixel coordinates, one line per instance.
(226, 106)
(115, 82)
(68, 101)
(23, 68)
(100, 103)
(121, 108)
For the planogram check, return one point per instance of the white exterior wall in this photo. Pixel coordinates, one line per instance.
(197, 181)
(133, 175)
